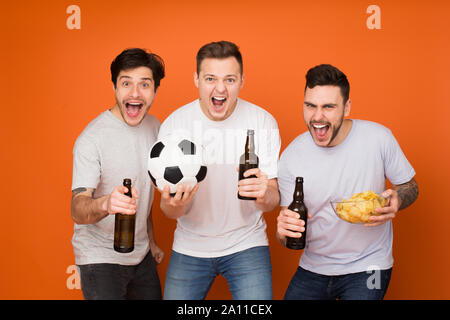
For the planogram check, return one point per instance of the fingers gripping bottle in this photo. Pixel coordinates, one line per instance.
(248, 160)
(124, 227)
(298, 206)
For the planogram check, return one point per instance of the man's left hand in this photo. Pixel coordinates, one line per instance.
(157, 253)
(388, 212)
(254, 187)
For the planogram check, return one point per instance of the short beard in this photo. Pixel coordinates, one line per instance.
(336, 131)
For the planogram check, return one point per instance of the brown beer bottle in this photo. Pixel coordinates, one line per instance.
(124, 227)
(248, 160)
(298, 206)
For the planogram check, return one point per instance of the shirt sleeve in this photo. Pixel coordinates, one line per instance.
(86, 164)
(397, 167)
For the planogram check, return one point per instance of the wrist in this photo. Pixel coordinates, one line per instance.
(281, 240)
(171, 211)
(102, 206)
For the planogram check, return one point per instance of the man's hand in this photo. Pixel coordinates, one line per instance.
(400, 197)
(118, 202)
(157, 253)
(289, 224)
(254, 187)
(388, 212)
(175, 207)
(263, 189)
(87, 210)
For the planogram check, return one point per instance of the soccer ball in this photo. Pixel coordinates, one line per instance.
(175, 160)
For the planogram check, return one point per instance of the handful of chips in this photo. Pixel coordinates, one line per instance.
(359, 207)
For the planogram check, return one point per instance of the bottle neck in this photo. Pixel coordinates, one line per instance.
(250, 144)
(127, 184)
(298, 193)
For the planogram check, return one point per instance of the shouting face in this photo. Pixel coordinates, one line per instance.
(324, 111)
(219, 83)
(135, 91)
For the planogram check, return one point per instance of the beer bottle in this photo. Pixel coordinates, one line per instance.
(298, 206)
(124, 227)
(248, 160)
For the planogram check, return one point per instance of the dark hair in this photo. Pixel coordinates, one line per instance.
(219, 50)
(135, 58)
(326, 74)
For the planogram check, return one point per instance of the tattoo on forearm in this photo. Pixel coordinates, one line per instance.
(77, 191)
(408, 193)
(80, 190)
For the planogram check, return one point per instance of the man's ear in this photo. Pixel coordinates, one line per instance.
(347, 107)
(196, 79)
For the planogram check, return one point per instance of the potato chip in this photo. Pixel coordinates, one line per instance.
(359, 207)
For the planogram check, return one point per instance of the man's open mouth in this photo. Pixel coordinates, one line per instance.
(133, 108)
(320, 130)
(218, 101)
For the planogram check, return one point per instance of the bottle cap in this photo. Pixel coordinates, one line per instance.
(126, 181)
(299, 179)
(250, 131)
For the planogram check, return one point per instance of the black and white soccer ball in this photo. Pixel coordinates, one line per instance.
(175, 160)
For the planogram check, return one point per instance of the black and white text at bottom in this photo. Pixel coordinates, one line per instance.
(224, 310)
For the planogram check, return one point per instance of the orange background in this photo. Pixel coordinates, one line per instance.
(54, 81)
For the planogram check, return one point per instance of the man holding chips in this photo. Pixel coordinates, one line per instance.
(340, 157)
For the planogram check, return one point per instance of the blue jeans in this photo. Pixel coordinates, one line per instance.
(248, 273)
(307, 285)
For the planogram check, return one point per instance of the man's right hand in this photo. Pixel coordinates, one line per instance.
(175, 207)
(289, 225)
(118, 202)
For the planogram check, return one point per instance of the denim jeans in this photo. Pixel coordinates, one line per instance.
(307, 285)
(107, 281)
(248, 273)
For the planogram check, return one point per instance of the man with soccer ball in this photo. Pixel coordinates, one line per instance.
(216, 232)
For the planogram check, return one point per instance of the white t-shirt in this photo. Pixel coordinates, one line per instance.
(362, 162)
(107, 151)
(217, 222)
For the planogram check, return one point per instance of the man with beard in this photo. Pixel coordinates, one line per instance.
(339, 157)
(112, 147)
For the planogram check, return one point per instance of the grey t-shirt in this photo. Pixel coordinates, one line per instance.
(362, 162)
(106, 152)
